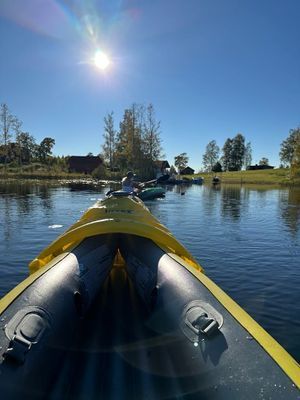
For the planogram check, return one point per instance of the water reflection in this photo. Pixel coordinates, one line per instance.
(18, 200)
(246, 237)
(45, 195)
(6, 212)
(90, 185)
(290, 209)
(234, 201)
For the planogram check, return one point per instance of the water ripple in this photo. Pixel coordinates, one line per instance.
(247, 240)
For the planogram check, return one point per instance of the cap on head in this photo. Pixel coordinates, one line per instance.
(130, 174)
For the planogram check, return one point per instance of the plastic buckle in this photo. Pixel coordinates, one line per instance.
(18, 347)
(205, 325)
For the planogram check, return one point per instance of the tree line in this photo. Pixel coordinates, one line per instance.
(136, 144)
(236, 153)
(18, 146)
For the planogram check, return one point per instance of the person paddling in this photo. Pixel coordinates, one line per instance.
(128, 184)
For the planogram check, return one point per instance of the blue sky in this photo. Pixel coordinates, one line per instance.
(211, 68)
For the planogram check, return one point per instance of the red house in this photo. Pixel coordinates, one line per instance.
(84, 164)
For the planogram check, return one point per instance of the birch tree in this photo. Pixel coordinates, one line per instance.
(7, 122)
(211, 155)
(248, 155)
(288, 146)
(109, 146)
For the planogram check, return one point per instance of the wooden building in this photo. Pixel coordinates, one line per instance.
(84, 164)
(187, 171)
(161, 167)
(256, 166)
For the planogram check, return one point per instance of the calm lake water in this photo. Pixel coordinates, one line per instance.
(246, 238)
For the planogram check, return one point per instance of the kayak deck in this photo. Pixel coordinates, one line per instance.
(129, 314)
(126, 351)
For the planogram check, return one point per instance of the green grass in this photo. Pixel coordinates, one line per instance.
(43, 175)
(259, 177)
(37, 171)
(280, 176)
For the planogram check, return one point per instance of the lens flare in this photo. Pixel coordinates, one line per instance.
(101, 60)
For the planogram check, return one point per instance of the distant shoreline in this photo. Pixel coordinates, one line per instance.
(278, 177)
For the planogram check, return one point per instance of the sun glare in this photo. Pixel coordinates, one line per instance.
(101, 60)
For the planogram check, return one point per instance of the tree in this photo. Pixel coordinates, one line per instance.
(151, 135)
(181, 161)
(151, 141)
(226, 158)
(288, 146)
(217, 167)
(17, 129)
(248, 155)
(129, 139)
(122, 141)
(109, 146)
(264, 161)
(234, 153)
(295, 166)
(238, 152)
(211, 155)
(7, 122)
(45, 149)
(172, 170)
(26, 144)
(137, 144)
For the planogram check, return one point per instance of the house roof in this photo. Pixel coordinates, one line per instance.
(187, 169)
(84, 163)
(162, 164)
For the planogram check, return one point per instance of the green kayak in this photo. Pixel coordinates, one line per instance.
(151, 193)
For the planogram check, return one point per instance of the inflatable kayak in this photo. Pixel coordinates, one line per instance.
(152, 193)
(117, 308)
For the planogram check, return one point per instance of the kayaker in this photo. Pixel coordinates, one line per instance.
(128, 184)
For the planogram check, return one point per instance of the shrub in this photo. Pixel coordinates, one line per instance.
(100, 172)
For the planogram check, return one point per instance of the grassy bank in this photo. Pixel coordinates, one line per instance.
(41, 171)
(53, 174)
(259, 177)
(41, 175)
(36, 171)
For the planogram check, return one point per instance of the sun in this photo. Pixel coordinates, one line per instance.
(101, 60)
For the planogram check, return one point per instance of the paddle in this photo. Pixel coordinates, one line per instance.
(162, 178)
